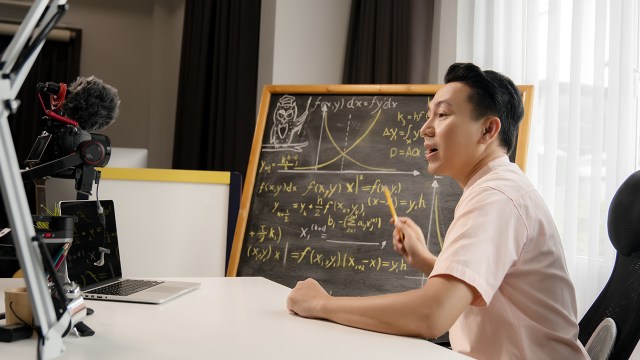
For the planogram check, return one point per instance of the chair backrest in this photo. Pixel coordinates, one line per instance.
(620, 298)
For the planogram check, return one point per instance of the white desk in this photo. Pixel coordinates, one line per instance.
(227, 318)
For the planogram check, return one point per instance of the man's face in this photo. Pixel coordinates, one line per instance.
(452, 133)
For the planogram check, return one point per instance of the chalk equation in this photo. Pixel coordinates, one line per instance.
(327, 260)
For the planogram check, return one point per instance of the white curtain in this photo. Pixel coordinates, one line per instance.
(582, 58)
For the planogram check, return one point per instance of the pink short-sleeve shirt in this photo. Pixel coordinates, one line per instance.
(504, 243)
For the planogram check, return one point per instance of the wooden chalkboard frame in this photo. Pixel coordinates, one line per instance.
(269, 90)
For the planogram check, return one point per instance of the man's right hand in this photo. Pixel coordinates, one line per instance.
(408, 241)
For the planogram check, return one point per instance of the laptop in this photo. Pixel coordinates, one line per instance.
(93, 260)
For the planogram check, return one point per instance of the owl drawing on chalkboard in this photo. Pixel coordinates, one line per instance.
(286, 124)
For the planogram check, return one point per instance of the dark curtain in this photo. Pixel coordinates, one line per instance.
(215, 116)
(389, 42)
(58, 61)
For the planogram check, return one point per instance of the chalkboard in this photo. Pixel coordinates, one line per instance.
(313, 203)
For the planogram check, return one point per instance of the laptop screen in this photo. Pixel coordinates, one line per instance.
(94, 256)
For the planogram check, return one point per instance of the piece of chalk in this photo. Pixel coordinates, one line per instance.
(390, 203)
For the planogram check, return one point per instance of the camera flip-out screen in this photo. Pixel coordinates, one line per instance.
(37, 150)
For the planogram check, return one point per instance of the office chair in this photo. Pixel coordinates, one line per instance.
(620, 298)
(601, 341)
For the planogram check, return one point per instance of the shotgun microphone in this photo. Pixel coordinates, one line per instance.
(87, 103)
(92, 103)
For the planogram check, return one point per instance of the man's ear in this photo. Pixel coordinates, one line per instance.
(491, 129)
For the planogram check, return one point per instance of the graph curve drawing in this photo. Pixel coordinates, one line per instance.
(342, 153)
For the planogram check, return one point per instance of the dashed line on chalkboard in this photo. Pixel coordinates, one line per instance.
(324, 119)
(346, 143)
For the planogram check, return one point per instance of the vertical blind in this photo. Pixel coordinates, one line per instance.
(582, 58)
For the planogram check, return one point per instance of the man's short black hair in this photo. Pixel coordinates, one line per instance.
(492, 94)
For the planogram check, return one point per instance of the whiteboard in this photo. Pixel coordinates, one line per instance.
(170, 222)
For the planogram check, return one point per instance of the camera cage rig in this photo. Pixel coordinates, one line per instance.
(53, 317)
(64, 150)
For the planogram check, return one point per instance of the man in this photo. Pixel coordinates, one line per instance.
(500, 285)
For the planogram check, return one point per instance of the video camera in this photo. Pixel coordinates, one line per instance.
(64, 149)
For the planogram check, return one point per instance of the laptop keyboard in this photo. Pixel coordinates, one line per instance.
(125, 287)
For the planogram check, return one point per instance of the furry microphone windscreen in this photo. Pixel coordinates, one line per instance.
(92, 103)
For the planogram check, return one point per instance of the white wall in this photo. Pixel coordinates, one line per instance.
(303, 41)
(135, 46)
(443, 45)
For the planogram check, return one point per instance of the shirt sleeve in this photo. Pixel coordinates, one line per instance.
(483, 242)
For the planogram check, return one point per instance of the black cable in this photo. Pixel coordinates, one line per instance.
(98, 205)
(101, 249)
(60, 302)
(16, 314)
